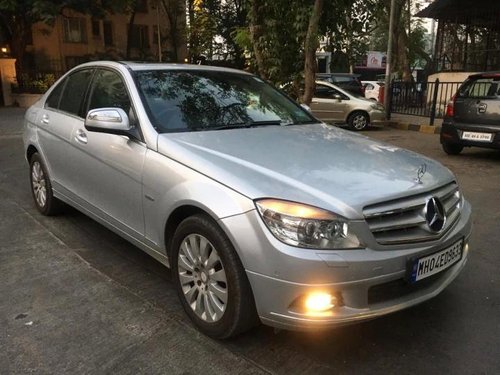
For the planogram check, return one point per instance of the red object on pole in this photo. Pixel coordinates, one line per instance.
(381, 92)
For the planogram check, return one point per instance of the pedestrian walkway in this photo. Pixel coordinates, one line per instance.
(415, 123)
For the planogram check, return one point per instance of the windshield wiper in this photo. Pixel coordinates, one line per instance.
(249, 124)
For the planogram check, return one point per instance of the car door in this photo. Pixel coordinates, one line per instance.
(110, 166)
(56, 121)
(326, 106)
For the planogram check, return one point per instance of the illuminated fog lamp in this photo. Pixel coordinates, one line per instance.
(319, 302)
(4, 49)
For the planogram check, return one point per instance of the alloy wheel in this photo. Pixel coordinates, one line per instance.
(38, 184)
(202, 278)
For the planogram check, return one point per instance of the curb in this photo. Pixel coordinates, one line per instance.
(428, 129)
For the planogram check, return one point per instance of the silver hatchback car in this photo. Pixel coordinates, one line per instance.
(262, 212)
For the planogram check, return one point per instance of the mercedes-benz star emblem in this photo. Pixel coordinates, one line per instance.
(435, 215)
(420, 173)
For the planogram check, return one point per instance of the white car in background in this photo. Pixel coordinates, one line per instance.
(372, 89)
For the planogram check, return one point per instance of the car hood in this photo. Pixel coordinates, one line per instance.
(314, 164)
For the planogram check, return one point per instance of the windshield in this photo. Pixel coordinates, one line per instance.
(188, 100)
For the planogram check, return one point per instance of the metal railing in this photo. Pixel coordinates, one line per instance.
(428, 99)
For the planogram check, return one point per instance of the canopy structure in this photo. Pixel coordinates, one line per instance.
(468, 34)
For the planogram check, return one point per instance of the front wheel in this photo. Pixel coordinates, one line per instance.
(452, 148)
(358, 120)
(210, 280)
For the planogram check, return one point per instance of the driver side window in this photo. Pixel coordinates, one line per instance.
(109, 90)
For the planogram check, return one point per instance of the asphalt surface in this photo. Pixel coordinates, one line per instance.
(76, 298)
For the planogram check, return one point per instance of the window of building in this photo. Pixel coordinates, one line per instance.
(142, 6)
(108, 33)
(74, 30)
(140, 36)
(96, 28)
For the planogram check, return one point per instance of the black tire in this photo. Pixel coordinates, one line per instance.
(240, 312)
(41, 186)
(358, 120)
(452, 148)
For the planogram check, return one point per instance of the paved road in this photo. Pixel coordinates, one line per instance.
(77, 298)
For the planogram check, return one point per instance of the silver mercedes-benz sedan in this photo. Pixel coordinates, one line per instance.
(262, 212)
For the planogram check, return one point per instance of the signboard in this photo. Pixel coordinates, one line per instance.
(376, 59)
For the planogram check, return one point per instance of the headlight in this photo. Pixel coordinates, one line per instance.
(378, 107)
(301, 225)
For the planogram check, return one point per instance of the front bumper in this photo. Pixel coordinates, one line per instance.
(371, 281)
(377, 118)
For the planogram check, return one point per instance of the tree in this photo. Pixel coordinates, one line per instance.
(175, 12)
(310, 47)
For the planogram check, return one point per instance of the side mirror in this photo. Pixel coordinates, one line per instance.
(306, 107)
(337, 97)
(109, 120)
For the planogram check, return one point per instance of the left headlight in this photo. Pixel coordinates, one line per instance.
(302, 225)
(378, 107)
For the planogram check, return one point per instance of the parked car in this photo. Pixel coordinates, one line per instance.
(331, 104)
(473, 115)
(372, 89)
(346, 81)
(262, 212)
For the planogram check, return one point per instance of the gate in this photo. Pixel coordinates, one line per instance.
(428, 99)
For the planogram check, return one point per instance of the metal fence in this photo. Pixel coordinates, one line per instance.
(427, 99)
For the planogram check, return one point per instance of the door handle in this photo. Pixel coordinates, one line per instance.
(81, 136)
(45, 119)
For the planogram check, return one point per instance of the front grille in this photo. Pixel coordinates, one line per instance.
(403, 220)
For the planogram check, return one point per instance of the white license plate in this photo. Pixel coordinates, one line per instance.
(437, 262)
(480, 137)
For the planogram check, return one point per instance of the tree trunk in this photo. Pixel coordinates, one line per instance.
(310, 47)
(130, 29)
(255, 35)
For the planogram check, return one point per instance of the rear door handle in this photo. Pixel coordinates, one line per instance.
(45, 119)
(81, 136)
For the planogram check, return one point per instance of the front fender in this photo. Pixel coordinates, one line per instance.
(169, 185)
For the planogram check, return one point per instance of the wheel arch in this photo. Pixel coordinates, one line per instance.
(30, 151)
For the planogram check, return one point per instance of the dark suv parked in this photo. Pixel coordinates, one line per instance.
(473, 115)
(346, 81)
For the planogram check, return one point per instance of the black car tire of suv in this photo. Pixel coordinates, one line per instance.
(452, 148)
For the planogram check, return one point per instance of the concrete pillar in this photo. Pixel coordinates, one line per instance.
(7, 78)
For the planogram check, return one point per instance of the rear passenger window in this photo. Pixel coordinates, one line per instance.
(481, 88)
(55, 95)
(74, 92)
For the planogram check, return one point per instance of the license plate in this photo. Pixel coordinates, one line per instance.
(437, 262)
(480, 137)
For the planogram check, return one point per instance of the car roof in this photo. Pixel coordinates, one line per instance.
(338, 74)
(140, 65)
(485, 74)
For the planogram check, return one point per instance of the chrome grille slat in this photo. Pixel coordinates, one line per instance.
(402, 221)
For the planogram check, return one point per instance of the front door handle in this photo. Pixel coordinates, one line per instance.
(81, 136)
(45, 119)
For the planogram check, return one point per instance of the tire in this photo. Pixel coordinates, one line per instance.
(452, 148)
(210, 280)
(358, 121)
(41, 188)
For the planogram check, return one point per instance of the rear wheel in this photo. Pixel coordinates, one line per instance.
(41, 188)
(210, 280)
(358, 120)
(452, 148)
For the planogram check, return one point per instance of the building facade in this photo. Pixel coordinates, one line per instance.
(75, 38)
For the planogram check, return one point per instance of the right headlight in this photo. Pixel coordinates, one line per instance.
(302, 225)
